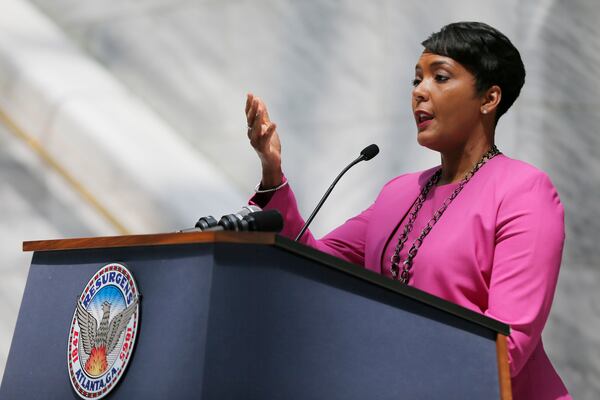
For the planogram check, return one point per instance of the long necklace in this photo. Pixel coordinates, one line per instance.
(412, 252)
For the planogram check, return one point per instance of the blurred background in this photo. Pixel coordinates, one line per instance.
(127, 117)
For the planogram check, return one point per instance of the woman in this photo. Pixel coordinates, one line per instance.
(481, 230)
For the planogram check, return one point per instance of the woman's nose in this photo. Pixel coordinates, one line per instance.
(420, 92)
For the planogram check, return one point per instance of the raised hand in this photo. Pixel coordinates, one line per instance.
(265, 141)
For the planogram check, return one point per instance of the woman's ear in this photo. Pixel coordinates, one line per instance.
(491, 99)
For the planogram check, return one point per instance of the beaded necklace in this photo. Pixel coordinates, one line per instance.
(407, 264)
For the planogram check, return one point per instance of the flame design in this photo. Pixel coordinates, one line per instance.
(96, 365)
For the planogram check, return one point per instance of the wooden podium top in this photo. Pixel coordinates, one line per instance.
(155, 239)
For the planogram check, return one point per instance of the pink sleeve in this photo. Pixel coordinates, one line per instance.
(529, 242)
(346, 242)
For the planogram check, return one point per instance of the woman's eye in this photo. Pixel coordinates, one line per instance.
(441, 78)
(416, 82)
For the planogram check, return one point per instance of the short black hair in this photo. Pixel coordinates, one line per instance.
(486, 53)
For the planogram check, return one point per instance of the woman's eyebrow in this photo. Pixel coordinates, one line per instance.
(433, 64)
(439, 62)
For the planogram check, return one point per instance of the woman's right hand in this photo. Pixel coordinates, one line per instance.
(265, 141)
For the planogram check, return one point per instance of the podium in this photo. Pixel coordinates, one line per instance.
(226, 315)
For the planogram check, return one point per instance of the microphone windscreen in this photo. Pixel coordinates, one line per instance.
(231, 222)
(369, 152)
(206, 222)
(265, 221)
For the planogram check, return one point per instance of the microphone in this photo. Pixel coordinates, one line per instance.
(206, 222)
(264, 221)
(366, 154)
(258, 221)
(230, 220)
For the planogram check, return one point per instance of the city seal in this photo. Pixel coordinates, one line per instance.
(103, 331)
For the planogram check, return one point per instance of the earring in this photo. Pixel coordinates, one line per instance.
(484, 111)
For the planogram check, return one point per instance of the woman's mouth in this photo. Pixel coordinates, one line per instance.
(423, 119)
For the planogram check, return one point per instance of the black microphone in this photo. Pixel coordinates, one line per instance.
(259, 221)
(366, 154)
(264, 221)
(230, 220)
(206, 222)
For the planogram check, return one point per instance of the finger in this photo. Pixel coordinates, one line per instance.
(254, 135)
(254, 126)
(257, 123)
(251, 115)
(266, 113)
(261, 138)
(267, 133)
(263, 111)
(249, 98)
(270, 130)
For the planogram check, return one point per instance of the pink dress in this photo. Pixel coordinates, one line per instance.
(496, 250)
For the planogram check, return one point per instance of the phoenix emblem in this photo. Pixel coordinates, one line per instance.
(100, 339)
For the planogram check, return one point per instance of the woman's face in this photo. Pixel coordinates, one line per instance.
(445, 103)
